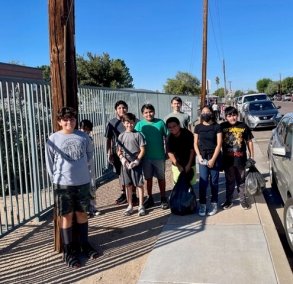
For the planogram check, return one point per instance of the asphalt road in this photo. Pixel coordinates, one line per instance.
(272, 195)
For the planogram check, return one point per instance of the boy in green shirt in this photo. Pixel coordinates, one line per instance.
(155, 132)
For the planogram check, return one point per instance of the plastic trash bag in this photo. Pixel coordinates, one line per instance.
(254, 181)
(182, 199)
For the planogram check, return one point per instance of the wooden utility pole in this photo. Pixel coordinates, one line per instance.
(225, 85)
(62, 56)
(204, 54)
(63, 70)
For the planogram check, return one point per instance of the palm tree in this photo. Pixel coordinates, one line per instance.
(217, 82)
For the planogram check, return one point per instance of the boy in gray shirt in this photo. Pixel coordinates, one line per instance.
(68, 155)
(130, 150)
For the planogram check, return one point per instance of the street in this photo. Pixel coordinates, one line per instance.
(271, 195)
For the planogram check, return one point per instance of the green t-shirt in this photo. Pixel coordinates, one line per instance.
(154, 132)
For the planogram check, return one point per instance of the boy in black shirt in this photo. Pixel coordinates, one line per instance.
(180, 150)
(237, 138)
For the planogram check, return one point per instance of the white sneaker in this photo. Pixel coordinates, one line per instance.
(128, 211)
(202, 210)
(213, 209)
(141, 211)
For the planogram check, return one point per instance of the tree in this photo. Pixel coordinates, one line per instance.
(183, 84)
(287, 85)
(272, 88)
(220, 93)
(102, 71)
(46, 72)
(238, 93)
(262, 84)
(217, 82)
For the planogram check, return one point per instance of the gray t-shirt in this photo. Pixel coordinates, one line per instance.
(183, 118)
(130, 142)
(68, 157)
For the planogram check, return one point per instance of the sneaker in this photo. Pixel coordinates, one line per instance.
(70, 258)
(226, 205)
(134, 199)
(213, 209)
(89, 251)
(128, 211)
(121, 199)
(202, 210)
(141, 211)
(244, 204)
(164, 203)
(97, 212)
(149, 202)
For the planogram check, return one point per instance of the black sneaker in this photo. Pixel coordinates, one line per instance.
(89, 251)
(69, 257)
(149, 202)
(164, 203)
(245, 205)
(134, 200)
(121, 199)
(226, 205)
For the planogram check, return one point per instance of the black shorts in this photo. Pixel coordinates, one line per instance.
(72, 198)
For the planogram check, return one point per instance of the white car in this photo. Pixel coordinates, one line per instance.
(280, 154)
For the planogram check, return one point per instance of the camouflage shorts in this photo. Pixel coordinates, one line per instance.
(72, 198)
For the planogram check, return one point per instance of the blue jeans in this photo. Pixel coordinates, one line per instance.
(206, 176)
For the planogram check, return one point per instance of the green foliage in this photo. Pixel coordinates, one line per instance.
(287, 85)
(217, 82)
(250, 92)
(220, 93)
(183, 84)
(102, 71)
(46, 72)
(238, 93)
(272, 88)
(262, 84)
(99, 71)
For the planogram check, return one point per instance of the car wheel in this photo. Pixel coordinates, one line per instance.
(288, 221)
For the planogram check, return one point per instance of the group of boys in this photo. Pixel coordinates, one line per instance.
(137, 150)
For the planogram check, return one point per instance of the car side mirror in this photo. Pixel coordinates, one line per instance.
(279, 151)
(278, 106)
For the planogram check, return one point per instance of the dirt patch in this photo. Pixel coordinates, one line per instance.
(124, 242)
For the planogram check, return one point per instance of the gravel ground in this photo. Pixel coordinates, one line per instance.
(27, 254)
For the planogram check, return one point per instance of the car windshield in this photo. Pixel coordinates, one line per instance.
(254, 98)
(261, 106)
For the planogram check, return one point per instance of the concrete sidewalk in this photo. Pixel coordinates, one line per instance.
(232, 246)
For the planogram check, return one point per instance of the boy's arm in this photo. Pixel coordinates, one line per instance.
(49, 157)
(250, 149)
(190, 161)
(141, 153)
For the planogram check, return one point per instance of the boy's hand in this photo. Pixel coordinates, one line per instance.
(110, 159)
(124, 162)
(134, 164)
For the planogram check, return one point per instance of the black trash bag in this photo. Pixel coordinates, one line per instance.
(254, 181)
(182, 199)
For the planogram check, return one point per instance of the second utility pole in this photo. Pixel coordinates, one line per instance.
(204, 55)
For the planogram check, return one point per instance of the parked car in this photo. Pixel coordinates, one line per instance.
(287, 97)
(280, 154)
(259, 114)
(250, 98)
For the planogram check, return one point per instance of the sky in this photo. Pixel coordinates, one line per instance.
(159, 38)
